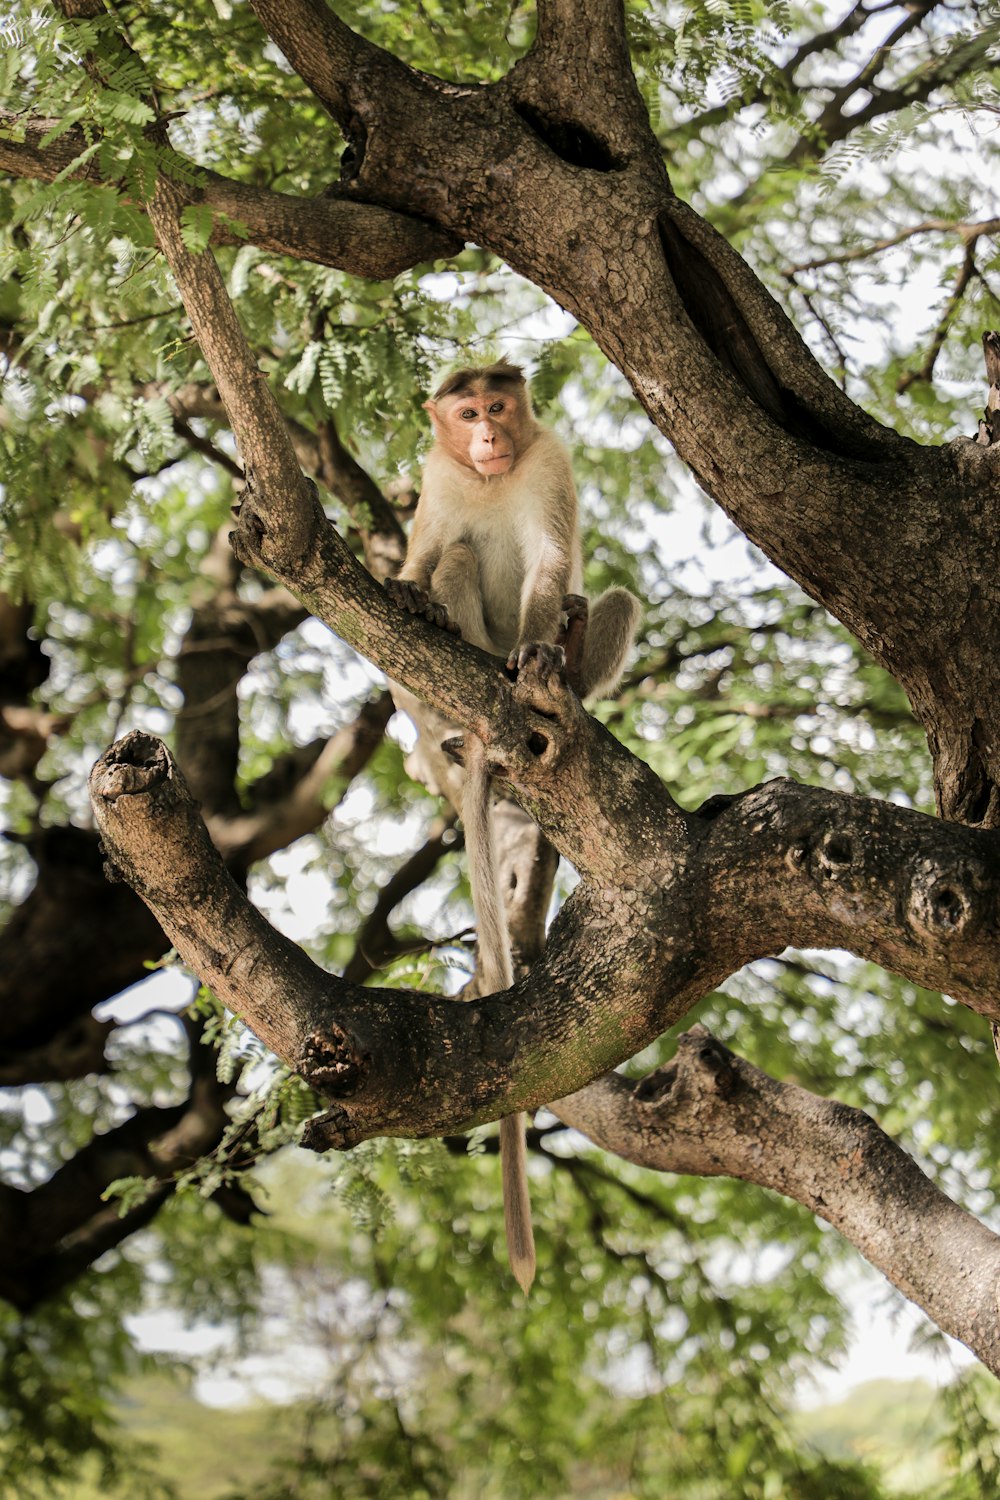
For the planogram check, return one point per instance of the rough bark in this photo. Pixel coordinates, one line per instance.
(555, 168)
(712, 1113)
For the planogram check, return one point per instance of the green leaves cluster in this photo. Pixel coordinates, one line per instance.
(673, 1320)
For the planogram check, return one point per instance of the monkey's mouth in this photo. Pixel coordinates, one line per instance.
(496, 463)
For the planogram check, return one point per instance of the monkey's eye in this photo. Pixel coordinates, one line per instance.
(497, 407)
(469, 414)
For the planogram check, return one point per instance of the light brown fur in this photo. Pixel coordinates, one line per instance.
(495, 554)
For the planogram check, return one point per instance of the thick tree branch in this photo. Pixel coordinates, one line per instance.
(70, 944)
(252, 410)
(397, 1063)
(624, 960)
(360, 238)
(52, 1232)
(576, 90)
(711, 1113)
(338, 65)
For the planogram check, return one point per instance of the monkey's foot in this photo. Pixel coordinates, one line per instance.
(574, 607)
(416, 601)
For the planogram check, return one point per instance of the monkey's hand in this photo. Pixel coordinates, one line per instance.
(417, 601)
(540, 659)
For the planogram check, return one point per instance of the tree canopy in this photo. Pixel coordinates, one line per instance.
(747, 254)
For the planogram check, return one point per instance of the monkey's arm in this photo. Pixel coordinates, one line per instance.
(423, 550)
(554, 564)
(411, 588)
(545, 588)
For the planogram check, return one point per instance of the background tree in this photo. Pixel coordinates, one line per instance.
(131, 141)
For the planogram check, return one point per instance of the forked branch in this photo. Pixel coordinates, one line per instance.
(712, 1113)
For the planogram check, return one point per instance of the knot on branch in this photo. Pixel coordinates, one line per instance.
(136, 763)
(704, 1058)
(946, 903)
(702, 1066)
(247, 540)
(331, 1063)
(330, 1131)
(263, 539)
(835, 855)
(835, 859)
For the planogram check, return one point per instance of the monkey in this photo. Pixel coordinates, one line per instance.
(495, 557)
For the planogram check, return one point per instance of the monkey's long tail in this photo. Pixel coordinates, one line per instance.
(517, 1200)
(497, 973)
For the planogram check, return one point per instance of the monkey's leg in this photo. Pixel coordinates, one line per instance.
(455, 584)
(614, 620)
(572, 638)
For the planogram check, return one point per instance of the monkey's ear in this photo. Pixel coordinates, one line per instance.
(431, 406)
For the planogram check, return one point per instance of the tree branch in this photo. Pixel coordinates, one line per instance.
(49, 1234)
(72, 1051)
(966, 271)
(276, 822)
(377, 523)
(253, 412)
(339, 66)
(966, 229)
(375, 944)
(711, 1113)
(397, 1063)
(624, 960)
(855, 19)
(360, 238)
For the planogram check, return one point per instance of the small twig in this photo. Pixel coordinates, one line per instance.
(964, 228)
(966, 272)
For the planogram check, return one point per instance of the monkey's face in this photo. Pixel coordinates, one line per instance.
(484, 430)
